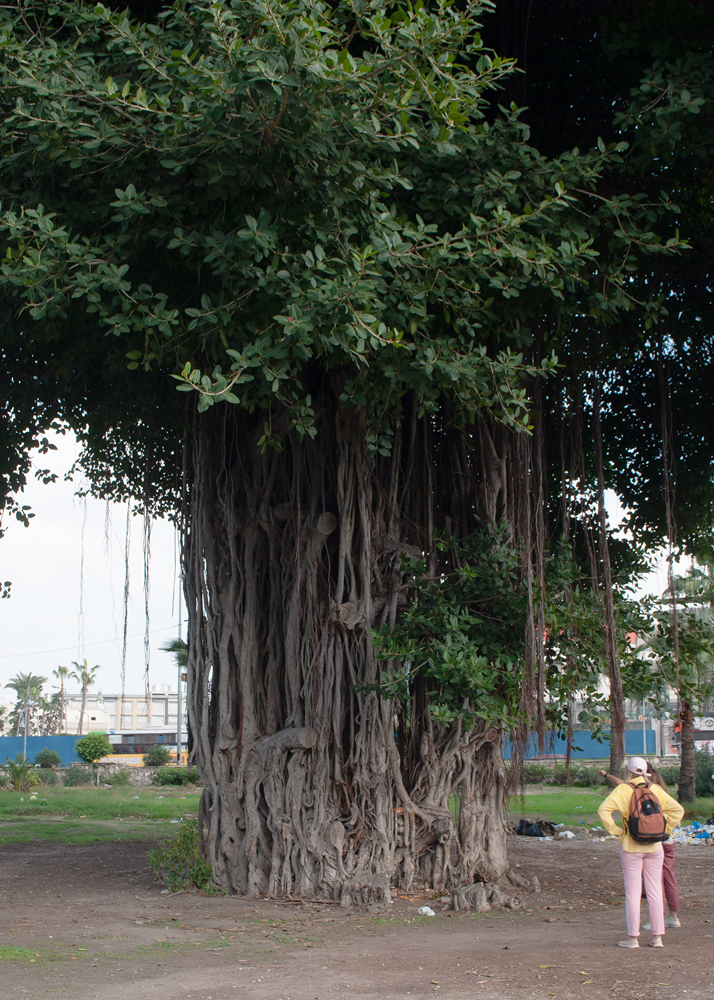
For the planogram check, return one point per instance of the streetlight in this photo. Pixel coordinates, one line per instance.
(28, 703)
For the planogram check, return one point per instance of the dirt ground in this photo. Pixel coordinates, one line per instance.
(96, 926)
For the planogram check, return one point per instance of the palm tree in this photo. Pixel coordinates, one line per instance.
(28, 688)
(86, 675)
(61, 673)
(180, 650)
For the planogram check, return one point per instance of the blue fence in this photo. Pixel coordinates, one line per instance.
(586, 747)
(11, 746)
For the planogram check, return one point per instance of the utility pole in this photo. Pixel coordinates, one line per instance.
(28, 703)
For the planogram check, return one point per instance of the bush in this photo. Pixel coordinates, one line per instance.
(586, 776)
(47, 758)
(670, 774)
(48, 778)
(75, 776)
(176, 776)
(705, 772)
(93, 747)
(19, 771)
(180, 862)
(535, 773)
(122, 777)
(157, 756)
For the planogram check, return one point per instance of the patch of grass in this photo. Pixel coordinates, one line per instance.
(122, 803)
(572, 805)
(79, 832)
(701, 808)
(8, 953)
(568, 806)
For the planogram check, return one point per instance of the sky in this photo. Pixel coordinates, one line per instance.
(67, 574)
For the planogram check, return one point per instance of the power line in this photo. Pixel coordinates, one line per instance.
(102, 642)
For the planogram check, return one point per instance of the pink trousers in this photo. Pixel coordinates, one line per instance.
(637, 865)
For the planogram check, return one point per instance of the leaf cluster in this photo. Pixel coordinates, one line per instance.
(93, 746)
(461, 633)
(239, 195)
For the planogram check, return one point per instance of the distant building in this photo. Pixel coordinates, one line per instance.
(107, 712)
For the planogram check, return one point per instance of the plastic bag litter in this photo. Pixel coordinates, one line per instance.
(426, 911)
(566, 835)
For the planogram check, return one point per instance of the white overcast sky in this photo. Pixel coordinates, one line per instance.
(44, 625)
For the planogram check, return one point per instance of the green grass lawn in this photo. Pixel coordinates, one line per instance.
(81, 815)
(578, 806)
(571, 806)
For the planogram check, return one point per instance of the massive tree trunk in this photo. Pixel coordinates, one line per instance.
(314, 784)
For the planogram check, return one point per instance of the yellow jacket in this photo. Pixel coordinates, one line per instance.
(619, 801)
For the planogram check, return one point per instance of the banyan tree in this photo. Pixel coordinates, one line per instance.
(296, 281)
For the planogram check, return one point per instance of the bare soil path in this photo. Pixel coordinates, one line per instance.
(91, 923)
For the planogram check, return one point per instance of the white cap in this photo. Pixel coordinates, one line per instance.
(636, 765)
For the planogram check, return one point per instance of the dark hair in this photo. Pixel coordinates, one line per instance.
(656, 777)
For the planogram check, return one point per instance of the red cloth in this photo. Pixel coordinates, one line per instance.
(671, 892)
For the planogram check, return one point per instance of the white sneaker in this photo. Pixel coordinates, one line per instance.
(630, 942)
(668, 922)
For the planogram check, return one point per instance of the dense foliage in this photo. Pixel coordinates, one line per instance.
(93, 746)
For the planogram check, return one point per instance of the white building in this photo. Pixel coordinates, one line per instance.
(107, 712)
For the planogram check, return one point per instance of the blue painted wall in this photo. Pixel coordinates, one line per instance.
(11, 746)
(586, 747)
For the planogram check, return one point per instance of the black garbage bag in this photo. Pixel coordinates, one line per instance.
(524, 828)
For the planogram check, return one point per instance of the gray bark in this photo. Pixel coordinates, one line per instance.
(289, 558)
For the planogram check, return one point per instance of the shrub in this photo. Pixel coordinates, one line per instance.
(157, 756)
(534, 772)
(586, 776)
(176, 776)
(75, 776)
(93, 746)
(705, 771)
(47, 777)
(19, 771)
(47, 758)
(180, 862)
(670, 774)
(122, 777)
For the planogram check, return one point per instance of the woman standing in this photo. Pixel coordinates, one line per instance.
(669, 881)
(639, 860)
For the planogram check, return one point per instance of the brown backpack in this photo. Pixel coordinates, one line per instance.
(646, 823)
